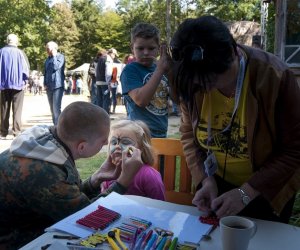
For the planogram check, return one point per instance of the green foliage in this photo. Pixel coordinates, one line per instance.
(87, 16)
(230, 10)
(28, 20)
(64, 32)
(270, 29)
(110, 30)
(82, 27)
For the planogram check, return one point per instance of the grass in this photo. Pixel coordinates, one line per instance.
(89, 165)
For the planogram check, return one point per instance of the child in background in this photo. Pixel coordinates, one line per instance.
(144, 84)
(79, 85)
(147, 182)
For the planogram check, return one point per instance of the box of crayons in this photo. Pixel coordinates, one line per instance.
(99, 219)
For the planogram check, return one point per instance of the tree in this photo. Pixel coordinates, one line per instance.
(87, 18)
(230, 10)
(28, 20)
(63, 30)
(110, 32)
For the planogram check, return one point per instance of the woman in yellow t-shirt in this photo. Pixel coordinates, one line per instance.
(240, 133)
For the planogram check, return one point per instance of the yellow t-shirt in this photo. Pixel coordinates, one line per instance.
(231, 147)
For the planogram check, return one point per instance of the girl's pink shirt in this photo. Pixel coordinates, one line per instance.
(147, 182)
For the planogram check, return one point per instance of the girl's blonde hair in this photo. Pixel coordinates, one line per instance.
(143, 135)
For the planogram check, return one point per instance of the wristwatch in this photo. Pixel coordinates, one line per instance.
(245, 198)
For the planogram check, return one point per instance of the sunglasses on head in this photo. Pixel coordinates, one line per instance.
(191, 52)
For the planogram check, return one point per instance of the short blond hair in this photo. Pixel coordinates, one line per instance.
(142, 133)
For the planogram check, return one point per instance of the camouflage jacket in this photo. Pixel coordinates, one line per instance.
(39, 185)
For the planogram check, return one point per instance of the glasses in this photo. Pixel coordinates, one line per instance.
(191, 52)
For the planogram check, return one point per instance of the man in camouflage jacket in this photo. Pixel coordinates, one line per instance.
(39, 183)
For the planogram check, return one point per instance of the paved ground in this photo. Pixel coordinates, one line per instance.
(36, 111)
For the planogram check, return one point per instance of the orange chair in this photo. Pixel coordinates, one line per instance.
(175, 170)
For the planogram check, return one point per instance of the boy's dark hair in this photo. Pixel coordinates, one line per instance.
(146, 31)
(202, 47)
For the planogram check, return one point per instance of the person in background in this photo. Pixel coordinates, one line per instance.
(35, 84)
(40, 84)
(239, 126)
(144, 84)
(113, 88)
(92, 77)
(70, 84)
(79, 84)
(147, 181)
(39, 182)
(14, 72)
(54, 77)
(129, 58)
(103, 78)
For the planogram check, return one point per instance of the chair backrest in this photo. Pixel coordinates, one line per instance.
(172, 165)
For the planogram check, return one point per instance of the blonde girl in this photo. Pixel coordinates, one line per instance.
(124, 134)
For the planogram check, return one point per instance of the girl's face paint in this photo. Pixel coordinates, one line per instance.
(122, 142)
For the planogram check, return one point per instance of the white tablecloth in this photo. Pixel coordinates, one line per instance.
(269, 235)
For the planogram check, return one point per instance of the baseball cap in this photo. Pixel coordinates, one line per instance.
(12, 39)
(114, 51)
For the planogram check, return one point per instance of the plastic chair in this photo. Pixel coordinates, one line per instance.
(175, 173)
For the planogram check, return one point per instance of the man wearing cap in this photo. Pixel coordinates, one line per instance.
(14, 70)
(103, 77)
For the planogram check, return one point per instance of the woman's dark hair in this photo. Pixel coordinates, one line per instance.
(202, 47)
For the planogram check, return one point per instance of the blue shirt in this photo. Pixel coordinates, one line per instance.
(54, 71)
(155, 114)
(14, 68)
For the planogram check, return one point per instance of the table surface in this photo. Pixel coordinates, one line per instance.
(269, 235)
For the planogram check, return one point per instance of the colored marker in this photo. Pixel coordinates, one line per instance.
(161, 243)
(147, 238)
(173, 244)
(168, 243)
(139, 241)
(134, 239)
(151, 241)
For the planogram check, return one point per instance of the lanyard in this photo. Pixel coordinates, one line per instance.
(238, 91)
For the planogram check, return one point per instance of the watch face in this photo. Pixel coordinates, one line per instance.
(246, 199)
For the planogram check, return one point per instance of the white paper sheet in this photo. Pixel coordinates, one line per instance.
(186, 227)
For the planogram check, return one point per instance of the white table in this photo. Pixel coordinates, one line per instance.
(269, 236)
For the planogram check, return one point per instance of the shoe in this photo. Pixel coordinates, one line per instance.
(2, 137)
